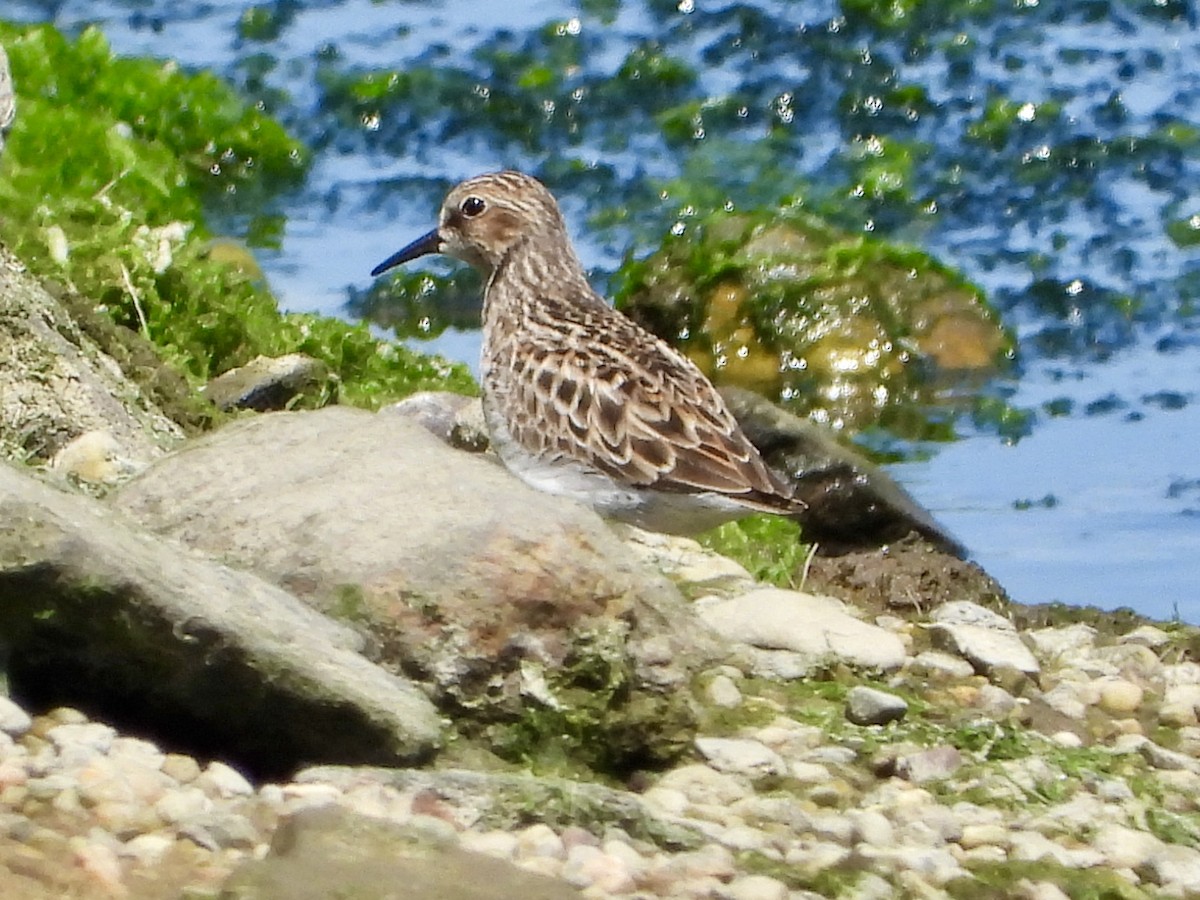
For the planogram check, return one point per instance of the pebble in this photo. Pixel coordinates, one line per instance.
(220, 780)
(869, 706)
(14, 721)
(934, 764)
(703, 784)
(183, 804)
(723, 691)
(1119, 696)
(588, 866)
(839, 809)
(755, 887)
(741, 756)
(986, 640)
(540, 841)
(1147, 636)
(1124, 847)
(500, 844)
(1175, 865)
(938, 664)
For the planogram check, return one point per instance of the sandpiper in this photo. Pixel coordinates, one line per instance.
(579, 399)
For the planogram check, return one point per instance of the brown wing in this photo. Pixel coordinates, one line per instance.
(632, 407)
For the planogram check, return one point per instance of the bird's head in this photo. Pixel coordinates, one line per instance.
(484, 218)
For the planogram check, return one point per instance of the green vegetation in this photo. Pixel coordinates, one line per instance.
(768, 547)
(104, 180)
(589, 716)
(996, 881)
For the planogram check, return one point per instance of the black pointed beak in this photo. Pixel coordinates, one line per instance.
(422, 246)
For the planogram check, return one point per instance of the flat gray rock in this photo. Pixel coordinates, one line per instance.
(818, 629)
(987, 641)
(331, 852)
(98, 614)
(499, 598)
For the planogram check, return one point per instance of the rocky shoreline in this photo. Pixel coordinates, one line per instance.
(956, 774)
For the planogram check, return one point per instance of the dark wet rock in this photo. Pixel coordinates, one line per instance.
(522, 613)
(99, 615)
(272, 383)
(851, 502)
(332, 852)
(843, 325)
(870, 706)
(56, 383)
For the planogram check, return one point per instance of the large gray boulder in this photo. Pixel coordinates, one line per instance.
(524, 615)
(95, 613)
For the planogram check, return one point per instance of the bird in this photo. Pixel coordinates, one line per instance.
(579, 400)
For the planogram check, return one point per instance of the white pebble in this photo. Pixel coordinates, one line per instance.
(723, 692)
(755, 887)
(740, 756)
(148, 849)
(1068, 739)
(183, 804)
(539, 841)
(499, 844)
(588, 866)
(13, 720)
(221, 780)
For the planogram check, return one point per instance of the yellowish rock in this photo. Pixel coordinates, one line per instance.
(1119, 696)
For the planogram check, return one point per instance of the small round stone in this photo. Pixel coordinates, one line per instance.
(1119, 696)
(540, 841)
(869, 706)
(500, 844)
(724, 692)
(183, 769)
(756, 887)
(220, 780)
(14, 721)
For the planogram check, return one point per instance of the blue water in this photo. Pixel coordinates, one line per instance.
(1100, 505)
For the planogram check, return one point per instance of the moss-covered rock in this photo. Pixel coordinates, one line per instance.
(845, 328)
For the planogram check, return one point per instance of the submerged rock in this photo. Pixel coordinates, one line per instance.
(844, 327)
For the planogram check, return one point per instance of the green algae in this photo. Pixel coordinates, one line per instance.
(768, 547)
(594, 718)
(104, 183)
(997, 880)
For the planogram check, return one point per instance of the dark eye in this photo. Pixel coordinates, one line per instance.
(473, 206)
